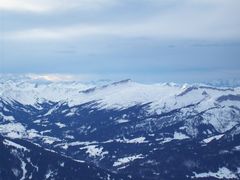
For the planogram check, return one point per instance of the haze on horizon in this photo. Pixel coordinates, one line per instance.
(147, 40)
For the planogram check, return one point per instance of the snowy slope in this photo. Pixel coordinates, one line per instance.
(217, 103)
(128, 128)
(116, 95)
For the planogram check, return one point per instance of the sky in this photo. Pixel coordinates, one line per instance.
(145, 40)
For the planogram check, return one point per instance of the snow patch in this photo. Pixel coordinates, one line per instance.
(37, 121)
(132, 141)
(236, 148)
(217, 137)
(176, 136)
(95, 151)
(120, 121)
(222, 173)
(50, 140)
(125, 160)
(49, 174)
(15, 145)
(180, 136)
(24, 170)
(60, 125)
(7, 118)
(13, 130)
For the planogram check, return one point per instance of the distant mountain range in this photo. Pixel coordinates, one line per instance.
(225, 83)
(118, 130)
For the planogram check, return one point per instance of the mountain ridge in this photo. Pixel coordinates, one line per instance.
(129, 129)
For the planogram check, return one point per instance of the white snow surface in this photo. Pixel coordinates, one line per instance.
(95, 151)
(164, 97)
(237, 148)
(120, 121)
(176, 136)
(24, 170)
(116, 95)
(60, 125)
(6, 118)
(222, 173)
(132, 141)
(217, 137)
(15, 145)
(125, 160)
(180, 136)
(13, 130)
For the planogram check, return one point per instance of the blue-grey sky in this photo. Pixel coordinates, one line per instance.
(146, 40)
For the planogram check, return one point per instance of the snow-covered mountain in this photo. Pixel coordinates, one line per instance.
(119, 130)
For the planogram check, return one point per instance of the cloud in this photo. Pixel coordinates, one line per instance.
(149, 29)
(50, 77)
(24, 5)
(55, 77)
(177, 76)
(190, 19)
(46, 6)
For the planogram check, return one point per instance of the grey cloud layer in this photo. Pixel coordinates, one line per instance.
(145, 39)
(216, 19)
